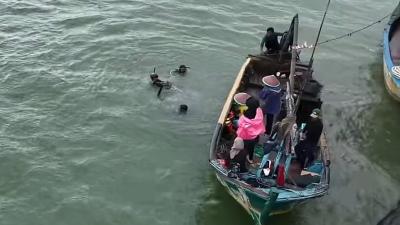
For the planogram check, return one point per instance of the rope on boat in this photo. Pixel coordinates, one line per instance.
(297, 104)
(355, 31)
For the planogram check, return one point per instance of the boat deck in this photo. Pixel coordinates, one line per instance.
(252, 84)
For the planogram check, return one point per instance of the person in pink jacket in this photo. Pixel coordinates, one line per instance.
(251, 125)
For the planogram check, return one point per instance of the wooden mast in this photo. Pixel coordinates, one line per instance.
(290, 99)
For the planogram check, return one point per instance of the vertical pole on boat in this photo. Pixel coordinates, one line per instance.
(265, 213)
(319, 33)
(287, 43)
(294, 58)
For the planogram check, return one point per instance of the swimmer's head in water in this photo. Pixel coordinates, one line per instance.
(153, 77)
(183, 108)
(182, 69)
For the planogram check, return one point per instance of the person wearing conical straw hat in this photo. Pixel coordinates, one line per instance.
(271, 99)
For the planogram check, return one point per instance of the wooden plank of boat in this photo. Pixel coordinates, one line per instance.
(234, 88)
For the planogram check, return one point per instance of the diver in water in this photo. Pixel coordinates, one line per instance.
(159, 83)
(181, 70)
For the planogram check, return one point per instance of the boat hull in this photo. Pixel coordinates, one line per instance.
(254, 203)
(392, 81)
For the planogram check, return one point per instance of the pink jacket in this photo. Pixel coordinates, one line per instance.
(250, 129)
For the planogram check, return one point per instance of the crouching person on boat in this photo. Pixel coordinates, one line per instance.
(306, 149)
(238, 155)
(271, 99)
(251, 125)
(270, 40)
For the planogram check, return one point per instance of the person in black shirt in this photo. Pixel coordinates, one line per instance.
(307, 148)
(270, 40)
(314, 128)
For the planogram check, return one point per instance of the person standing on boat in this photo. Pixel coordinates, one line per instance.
(271, 99)
(306, 149)
(251, 125)
(270, 41)
(238, 154)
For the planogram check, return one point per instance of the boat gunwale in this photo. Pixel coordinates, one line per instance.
(387, 55)
(389, 83)
(227, 106)
(235, 86)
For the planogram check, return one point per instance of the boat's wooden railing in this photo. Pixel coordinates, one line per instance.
(229, 99)
(225, 109)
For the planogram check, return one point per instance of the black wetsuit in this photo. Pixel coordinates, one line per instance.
(306, 149)
(271, 42)
(313, 131)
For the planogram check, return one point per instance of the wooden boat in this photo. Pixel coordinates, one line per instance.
(391, 54)
(259, 194)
